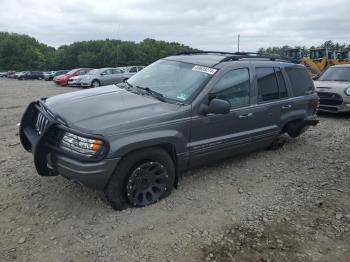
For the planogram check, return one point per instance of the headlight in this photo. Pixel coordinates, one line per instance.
(81, 145)
(347, 91)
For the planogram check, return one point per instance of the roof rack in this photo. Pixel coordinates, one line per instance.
(204, 52)
(239, 55)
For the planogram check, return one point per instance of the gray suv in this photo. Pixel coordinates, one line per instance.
(134, 140)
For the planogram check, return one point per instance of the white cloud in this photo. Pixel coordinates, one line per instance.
(202, 24)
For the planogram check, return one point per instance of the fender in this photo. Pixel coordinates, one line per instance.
(121, 146)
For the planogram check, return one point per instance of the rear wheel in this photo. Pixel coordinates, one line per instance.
(95, 83)
(141, 179)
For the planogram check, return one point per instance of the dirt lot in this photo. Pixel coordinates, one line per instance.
(292, 204)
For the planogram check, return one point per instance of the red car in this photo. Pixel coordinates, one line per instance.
(62, 80)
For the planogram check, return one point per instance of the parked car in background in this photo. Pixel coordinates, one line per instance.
(62, 80)
(333, 89)
(11, 74)
(51, 77)
(133, 69)
(134, 140)
(3, 74)
(20, 74)
(31, 75)
(102, 77)
(48, 73)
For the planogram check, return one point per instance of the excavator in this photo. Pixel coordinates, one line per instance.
(323, 58)
(299, 56)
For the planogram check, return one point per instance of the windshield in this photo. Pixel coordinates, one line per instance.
(73, 71)
(173, 79)
(336, 74)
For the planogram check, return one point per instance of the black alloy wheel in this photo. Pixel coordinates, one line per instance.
(146, 184)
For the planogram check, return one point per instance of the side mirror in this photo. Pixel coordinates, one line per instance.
(217, 106)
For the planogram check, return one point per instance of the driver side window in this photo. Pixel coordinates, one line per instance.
(234, 87)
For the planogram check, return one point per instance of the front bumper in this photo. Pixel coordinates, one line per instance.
(85, 84)
(51, 162)
(74, 84)
(343, 108)
(333, 102)
(62, 82)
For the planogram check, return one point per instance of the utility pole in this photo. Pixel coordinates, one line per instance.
(239, 38)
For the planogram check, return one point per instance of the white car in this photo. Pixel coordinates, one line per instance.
(333, 89)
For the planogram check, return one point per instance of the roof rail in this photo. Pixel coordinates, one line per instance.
(204, 52)
(238, 55)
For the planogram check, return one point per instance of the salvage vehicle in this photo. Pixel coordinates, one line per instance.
(31, 75)
(133, 140)
(333, 89)
(51, 77)
(62, 80)
(103, 76)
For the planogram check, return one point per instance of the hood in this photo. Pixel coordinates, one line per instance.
(109, 109)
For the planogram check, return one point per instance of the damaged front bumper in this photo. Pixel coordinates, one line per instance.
(35, 135)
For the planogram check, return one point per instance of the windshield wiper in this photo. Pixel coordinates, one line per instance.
(153, 93)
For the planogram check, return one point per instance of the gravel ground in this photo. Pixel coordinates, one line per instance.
(292, 204)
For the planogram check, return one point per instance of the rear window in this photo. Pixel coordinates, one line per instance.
(300, 80)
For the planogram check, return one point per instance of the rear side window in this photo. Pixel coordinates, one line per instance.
(267, 84)
(300, 80)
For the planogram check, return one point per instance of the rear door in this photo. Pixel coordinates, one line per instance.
(272, 99)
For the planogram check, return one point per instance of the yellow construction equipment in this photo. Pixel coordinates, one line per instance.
(299, 56)
(343, 56)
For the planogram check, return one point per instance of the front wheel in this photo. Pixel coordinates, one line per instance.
(141, 179)
(95, 83)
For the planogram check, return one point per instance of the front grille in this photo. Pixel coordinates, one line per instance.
(329, 98)
(41, 123)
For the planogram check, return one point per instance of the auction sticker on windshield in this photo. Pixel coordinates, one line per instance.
(204, 69)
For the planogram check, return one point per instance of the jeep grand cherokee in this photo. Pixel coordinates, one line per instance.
(134, 139)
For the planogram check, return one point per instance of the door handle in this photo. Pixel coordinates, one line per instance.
(286, 107)
(246, 115)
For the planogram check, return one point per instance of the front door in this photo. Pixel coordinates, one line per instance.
(216, 136)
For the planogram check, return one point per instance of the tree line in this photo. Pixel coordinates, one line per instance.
(280, 50)
(22, 52)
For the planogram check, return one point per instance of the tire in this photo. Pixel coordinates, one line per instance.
(295, 128)
(95, 83)
(130, 183)
(278, 142)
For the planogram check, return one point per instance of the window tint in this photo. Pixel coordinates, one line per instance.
(234, 87)
(281, 83)
(300, 80)
(139, 68)
(267, 84)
